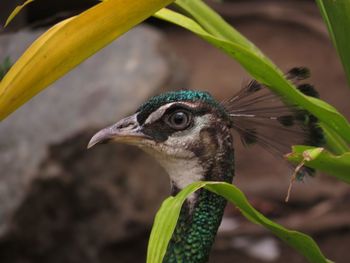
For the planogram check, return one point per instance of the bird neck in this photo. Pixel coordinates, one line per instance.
(201, 215)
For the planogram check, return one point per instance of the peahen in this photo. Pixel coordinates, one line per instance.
(190, 134)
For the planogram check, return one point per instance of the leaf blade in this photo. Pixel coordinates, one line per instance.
(263, 70)
(66, 45)
(337, 19)
(16, 11)
(301, 242)
(335, 165)
(165, 222)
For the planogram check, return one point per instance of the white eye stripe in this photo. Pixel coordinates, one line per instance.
(154, 116)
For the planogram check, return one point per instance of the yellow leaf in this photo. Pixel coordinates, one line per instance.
(67, 44)
(16, 11)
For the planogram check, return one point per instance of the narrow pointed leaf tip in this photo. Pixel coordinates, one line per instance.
(168, 214)
(16, 11)
(67, 44)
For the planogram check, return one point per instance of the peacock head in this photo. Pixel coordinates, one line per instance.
(185, 131)
(189, 132)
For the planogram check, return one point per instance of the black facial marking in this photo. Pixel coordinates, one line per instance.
(159, 131)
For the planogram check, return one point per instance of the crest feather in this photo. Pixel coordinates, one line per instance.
(264, 118)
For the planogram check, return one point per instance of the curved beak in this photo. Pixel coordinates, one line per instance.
(126, 130)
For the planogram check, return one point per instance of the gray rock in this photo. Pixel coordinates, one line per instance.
(52, 190)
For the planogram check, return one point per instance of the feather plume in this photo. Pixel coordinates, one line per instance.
(264, 118)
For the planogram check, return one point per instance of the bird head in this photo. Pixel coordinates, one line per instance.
(187, 132)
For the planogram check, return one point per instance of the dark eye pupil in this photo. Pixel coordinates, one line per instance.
(179, 118)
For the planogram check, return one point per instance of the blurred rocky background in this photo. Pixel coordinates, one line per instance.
(62, 203)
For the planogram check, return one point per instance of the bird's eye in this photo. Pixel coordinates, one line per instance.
(179, 120)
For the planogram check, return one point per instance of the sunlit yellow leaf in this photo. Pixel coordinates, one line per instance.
(67, 44)
(16, 11)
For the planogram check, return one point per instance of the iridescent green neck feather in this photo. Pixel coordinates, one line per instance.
(195, 231)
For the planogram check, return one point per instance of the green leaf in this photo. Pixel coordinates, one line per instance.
(335, 165)
(313, 153)
(335, 142)
(212, 22)
(336, 15)
(16, 11)
(261, 68)
(165, 222)
(168, 214)
(67, 44)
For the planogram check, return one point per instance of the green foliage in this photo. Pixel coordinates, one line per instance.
(168, 214)
(81, 36)
(205, 23)
(259, 66)
(336, 165)
(336, 15)
(165, 223)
